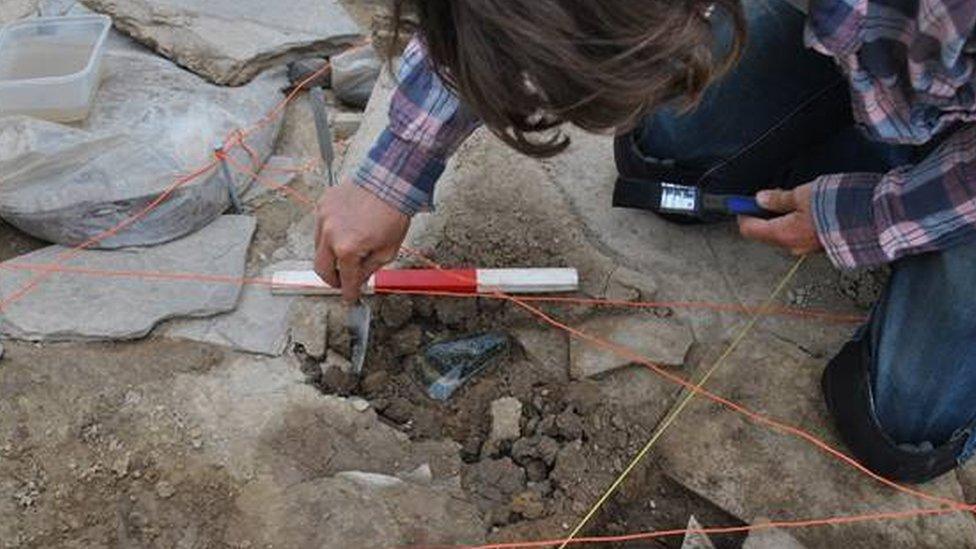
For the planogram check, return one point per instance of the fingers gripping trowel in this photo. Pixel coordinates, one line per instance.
(359, 317)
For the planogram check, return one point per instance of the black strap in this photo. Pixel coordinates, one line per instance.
(643, 195)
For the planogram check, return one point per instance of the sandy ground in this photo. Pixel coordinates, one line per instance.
(165, 443)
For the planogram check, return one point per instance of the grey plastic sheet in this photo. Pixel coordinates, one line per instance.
(152, 123)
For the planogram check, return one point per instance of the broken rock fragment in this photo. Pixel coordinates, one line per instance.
(310, 325)
(695, 539)
(506, 415)
(259, 323)
(493, 484)
(83, 303)
(529, 504)
(539, 447)
(664, 342)
(355, 73)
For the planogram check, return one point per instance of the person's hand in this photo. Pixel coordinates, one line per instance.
(795, 230)
(356, 233)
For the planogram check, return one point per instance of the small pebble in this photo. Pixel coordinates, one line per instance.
(121, 466)
(165, 490)
(359, 404)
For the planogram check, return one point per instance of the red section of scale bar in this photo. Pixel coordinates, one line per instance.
(462, 281)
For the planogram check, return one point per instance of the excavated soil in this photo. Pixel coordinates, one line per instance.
(573, 441)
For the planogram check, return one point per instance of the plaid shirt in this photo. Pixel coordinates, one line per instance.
(911, 67)
(427, 124)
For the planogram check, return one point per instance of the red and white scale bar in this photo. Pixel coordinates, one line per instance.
(458, 281)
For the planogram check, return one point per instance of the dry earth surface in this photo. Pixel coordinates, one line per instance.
(168, 443)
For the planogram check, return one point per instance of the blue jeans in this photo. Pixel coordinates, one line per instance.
(780, 119)
(923, 334)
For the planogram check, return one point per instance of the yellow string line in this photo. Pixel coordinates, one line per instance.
(673, 415)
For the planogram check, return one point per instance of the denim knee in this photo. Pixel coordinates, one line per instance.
(923, 333)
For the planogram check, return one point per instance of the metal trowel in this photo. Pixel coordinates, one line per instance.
(359, 316)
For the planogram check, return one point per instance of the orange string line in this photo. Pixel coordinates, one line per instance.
(953, 505)
(70, 254)
(294, 194)
(711, 306)
(776, 425)
(237, 138)
(632, 355)
(555, 300)
(784, 525)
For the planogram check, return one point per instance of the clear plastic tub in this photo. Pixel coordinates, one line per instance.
(50, 67)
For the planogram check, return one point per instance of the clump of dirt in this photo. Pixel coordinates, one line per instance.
(864, 288)
(572, 442)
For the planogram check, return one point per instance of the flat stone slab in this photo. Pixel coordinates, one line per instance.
(151, 124)
(772, 538)
(663, 341)
(546, 348)
(76, 306)
(230, 41)
(12, 10)
(259, 324)
(758, 474)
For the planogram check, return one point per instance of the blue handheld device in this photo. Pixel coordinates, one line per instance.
(685, 200)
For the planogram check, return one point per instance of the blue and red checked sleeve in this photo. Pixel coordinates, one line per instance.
(427, 124)
(910, 65)
(864, 220)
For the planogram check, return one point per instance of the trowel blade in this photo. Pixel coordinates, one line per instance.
(359, 317)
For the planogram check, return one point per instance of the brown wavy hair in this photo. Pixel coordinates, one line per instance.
(525, 67)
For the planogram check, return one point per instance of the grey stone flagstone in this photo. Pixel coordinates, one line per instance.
(662, 341)
(78, 306)
(231, 41)
(259, 324)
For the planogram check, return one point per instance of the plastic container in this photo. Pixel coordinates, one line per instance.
(50, 67)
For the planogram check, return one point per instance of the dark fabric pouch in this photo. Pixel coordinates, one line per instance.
(639, 181)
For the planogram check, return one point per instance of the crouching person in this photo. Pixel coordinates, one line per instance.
(851, 120)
